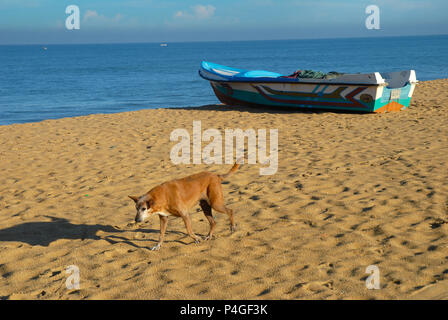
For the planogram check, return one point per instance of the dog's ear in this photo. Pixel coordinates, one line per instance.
(134, 198)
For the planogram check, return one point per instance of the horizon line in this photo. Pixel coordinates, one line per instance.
(211, 41)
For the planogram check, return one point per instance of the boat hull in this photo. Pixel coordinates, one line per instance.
(314, 96)
(370, 92)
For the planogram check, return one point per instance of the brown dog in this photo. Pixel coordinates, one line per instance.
(176, 197)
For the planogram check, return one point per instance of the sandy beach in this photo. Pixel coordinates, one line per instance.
(351, 190)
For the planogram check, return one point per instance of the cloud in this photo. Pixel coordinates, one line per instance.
(204, 12)
(199, 12)
(90, 14)
(91, 17)
(179, 14)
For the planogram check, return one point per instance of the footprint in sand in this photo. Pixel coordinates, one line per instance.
(319, 286)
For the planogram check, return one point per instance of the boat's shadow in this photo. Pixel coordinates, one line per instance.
(265, 109)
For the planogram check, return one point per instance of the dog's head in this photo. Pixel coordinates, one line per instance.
(143, 206)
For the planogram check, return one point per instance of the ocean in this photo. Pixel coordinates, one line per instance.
(73, 80)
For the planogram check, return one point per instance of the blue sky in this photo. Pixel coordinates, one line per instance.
(102, 21)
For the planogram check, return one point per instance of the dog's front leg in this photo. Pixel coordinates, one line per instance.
(187, 221)
(163, 224)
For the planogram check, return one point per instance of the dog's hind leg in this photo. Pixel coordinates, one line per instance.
(223, 209)
(187, 221)
(208, 214)
(216, 199)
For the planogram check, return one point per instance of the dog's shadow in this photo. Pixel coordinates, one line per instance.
(43, 233)
(113, 239)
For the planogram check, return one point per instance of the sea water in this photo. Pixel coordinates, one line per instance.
(45, 81)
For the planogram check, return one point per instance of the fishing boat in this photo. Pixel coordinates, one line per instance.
(369, 92)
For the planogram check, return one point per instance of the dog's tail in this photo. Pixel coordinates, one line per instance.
(232, 170)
